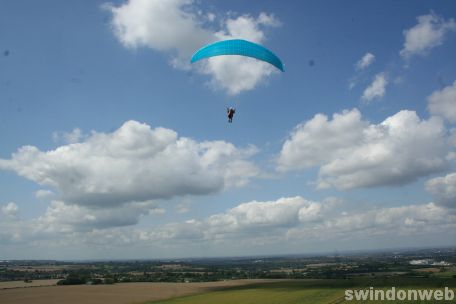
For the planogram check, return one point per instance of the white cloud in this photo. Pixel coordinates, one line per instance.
(390, 217)
(44, 194)
(269, 20)
(282, 222)
(354, 153)
(10, 210)
(352, 82)
(443, 103)
(427, 34)
(134, 163)
(159, 25)
(452, 138)
(245, 220)
(236, 73)
(173, 26)
(65, 224)
(183, 207)
(319, 139)
(361, 65)
(365, 61)
(443, 189)
(282, 212)
(242, 27)
(72, 137)
(376, 89)
(62, 217)
(295, 218)
(392, 222)
(210, 17)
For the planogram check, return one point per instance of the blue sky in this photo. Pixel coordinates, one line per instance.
(114, 146)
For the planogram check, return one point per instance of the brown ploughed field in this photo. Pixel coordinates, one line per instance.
(20, 284)
(121, 293)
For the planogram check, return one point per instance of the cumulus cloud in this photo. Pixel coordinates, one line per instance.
(360, 66)
(282, 212)
(61, 217)
(159, 25)
(44, 194)
(376, 89)
(268, 19)
(69, 137)
(175, 27)
(428, 33)
(403, 220)
(452, 138)
(10, 210)
(443, 189)
(443, 103)
(132, 164)
(236, 73)
(183, 207)
(317, 140)
(365, 61)
(65, 224)
(295, 219)
(353, 153)
(247, 219)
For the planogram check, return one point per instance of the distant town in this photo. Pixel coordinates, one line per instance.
(422, 263)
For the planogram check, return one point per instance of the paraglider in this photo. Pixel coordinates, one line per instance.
(230, 113)
(238, 47)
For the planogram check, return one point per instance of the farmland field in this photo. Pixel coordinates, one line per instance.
(331, 291)
(266, 295)
(294, 292)
(113, 294)
(283, 292)
(20, 284)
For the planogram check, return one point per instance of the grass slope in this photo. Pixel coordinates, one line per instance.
(264, 296)
(290, 292)
(306, 291)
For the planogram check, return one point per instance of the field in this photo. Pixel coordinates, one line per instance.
(21, 284)
(112, 294)
(303, 292)
(276, 293)
(328, 291)
(450, 272)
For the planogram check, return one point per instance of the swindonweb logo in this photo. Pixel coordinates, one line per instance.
(393, 294)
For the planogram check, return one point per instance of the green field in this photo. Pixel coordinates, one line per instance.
(277, 293)
(305, 291)
(445, 274)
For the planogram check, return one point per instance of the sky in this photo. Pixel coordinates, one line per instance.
(114, 146)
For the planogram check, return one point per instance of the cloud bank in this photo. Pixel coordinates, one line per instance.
(287, 220)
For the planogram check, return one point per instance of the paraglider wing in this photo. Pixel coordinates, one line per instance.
(238, 47)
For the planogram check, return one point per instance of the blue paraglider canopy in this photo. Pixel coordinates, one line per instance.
(238, 47)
